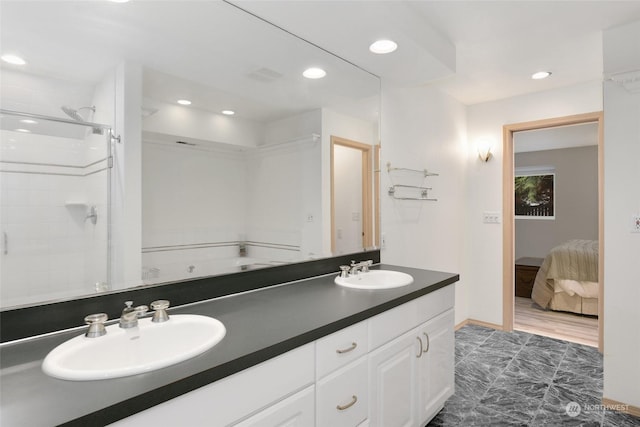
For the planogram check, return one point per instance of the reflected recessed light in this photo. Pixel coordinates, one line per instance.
(23, 130)
(540, 75)
(228, 112)
(314, 73)
(28, 121)
(383, 46)
(13, 59)
(184, 102)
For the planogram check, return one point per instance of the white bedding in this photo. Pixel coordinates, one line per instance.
(583, 288)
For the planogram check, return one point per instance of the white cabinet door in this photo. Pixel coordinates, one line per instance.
(436, 365)
(393, 383)
(294, 411)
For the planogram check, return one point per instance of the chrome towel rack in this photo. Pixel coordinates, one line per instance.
(422, 191)
(424, 172)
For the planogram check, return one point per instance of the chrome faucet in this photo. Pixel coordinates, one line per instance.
(129, 317)
(362, 266)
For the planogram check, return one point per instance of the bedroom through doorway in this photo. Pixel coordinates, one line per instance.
(553, 227)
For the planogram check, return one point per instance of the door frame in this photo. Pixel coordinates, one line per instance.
(508, 215)
(367, 206)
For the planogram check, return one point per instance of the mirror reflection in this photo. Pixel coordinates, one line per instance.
(225, 160)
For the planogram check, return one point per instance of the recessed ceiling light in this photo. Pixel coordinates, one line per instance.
(13, 59)
(228, 112)
(540, 75)
(383, 46)
(23, 130)
(314, 73)
(184, 102)
(28, 121)
(120, 1)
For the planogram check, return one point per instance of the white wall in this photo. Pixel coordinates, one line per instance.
(425, 128)
(126, 181)
(621, 201)
(483, 265)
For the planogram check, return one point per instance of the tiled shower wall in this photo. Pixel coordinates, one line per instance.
(200, 203)
(49, 250)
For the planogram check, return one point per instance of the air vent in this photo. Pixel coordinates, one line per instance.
(264, 75)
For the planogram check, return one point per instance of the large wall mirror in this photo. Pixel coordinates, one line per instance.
(236, 157)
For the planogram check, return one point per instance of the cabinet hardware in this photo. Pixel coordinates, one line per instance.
(426, 336)
(347, 350)
(354, 399)
(421, 347)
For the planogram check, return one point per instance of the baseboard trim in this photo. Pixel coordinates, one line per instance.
(614, 405)
(479, 323)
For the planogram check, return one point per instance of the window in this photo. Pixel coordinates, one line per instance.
(535, 193)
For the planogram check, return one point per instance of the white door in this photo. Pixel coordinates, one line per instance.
(436, 366)
(393, 383)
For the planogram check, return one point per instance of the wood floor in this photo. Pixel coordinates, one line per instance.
(529, 317)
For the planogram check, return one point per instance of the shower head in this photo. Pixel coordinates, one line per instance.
(74, 114)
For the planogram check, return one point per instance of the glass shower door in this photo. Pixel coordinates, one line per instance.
(54, 213)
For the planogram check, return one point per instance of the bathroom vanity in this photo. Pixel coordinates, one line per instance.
(304, 353)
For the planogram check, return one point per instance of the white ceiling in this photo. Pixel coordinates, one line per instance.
(475, 50)
(497, 45)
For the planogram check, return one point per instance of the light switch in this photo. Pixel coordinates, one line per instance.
(491, 217)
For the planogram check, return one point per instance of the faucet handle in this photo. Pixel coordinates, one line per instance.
(344, 270)
(96, 325)
(160, 314)
(139, 310)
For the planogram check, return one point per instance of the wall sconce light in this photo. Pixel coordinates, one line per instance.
(484, 149)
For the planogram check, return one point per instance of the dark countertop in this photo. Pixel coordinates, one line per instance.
(260, 325)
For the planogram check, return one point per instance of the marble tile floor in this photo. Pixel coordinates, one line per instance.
(521, 379)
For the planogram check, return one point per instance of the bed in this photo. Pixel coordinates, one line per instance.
(568, 278)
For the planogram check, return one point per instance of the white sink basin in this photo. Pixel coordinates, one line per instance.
(376, 279)
(123, 352)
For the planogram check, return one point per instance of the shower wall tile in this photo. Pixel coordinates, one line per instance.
(49, 242)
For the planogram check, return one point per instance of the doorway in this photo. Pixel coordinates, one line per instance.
(509, 214)
(351, 196)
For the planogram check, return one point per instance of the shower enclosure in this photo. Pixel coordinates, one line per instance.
(55, 176)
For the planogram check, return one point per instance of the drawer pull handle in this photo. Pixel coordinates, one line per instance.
(354, 399)
(347, 350)
(421, 347)
(427, 336)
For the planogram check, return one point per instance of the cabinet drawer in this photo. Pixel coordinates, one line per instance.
(340, 348)
(342, 397)
(237, 396)
(388, 325)
(294, 411)
(434, 303)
